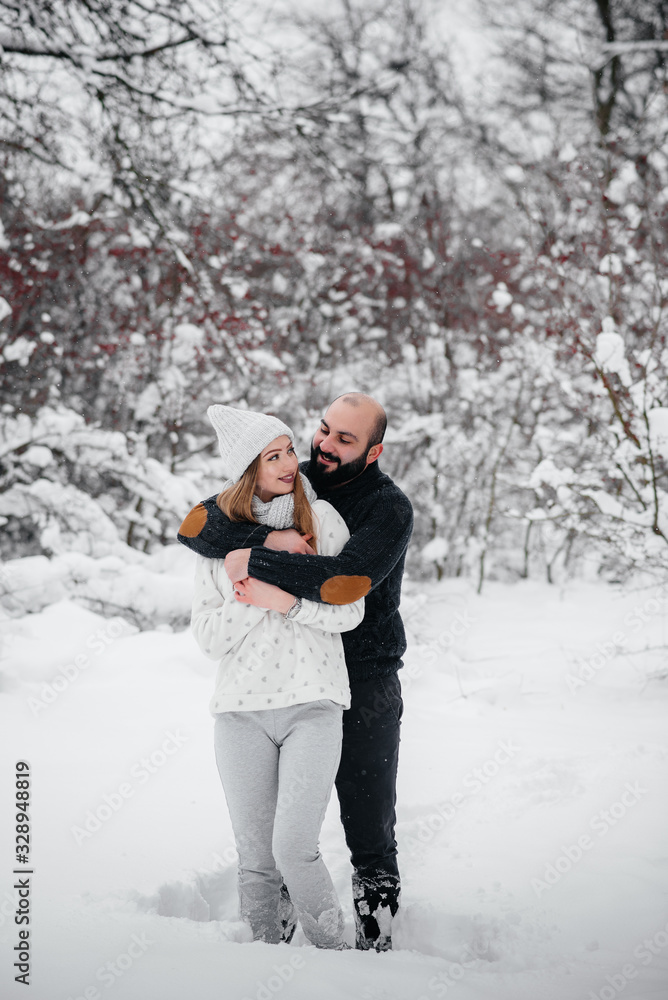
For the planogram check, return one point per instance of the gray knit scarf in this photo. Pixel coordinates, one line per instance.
(279, 512)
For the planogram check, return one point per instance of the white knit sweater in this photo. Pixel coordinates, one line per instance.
(266, 661)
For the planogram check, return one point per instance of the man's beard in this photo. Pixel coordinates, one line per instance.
(326, 477)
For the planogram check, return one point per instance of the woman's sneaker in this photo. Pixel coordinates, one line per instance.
(287, 915)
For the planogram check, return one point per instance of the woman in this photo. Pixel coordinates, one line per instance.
(281, 688)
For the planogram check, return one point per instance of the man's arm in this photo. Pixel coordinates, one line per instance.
(373, 550)
(208, 532)
(325, 617)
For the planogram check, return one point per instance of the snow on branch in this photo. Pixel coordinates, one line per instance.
(618, 48)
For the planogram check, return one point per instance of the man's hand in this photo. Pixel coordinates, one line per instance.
(262, 595)
(236, 564)
(288, 540)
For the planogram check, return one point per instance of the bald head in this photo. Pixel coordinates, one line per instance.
(348, 440)
(370, 412)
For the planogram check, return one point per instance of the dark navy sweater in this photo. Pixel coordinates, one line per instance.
(380, 520)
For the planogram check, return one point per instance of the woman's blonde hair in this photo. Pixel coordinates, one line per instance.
(236, 503)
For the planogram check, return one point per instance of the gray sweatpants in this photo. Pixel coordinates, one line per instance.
(277, 767)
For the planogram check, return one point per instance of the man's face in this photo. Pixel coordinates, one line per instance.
(340, 450)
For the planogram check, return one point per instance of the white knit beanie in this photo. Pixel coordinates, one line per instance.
(242, 435)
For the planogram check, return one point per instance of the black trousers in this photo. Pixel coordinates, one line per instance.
(366, 787)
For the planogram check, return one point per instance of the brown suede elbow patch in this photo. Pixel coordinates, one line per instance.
(194, 522)
(345, 589)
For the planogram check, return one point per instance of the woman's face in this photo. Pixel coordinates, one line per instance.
(278, 468)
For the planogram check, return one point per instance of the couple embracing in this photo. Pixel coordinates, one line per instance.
(297, 594)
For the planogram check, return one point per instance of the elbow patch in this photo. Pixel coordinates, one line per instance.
(344, 589)
(194, 522)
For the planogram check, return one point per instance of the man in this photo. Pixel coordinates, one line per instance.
(343, 470)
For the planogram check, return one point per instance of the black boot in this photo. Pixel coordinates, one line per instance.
(376, 901)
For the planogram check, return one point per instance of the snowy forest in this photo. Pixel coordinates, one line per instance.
(459, 208)
(203, 204)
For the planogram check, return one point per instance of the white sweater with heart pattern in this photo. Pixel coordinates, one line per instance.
(265, 661)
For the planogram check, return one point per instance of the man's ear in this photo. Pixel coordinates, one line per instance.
(374, 453)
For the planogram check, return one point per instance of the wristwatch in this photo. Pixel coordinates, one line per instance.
(294, 609)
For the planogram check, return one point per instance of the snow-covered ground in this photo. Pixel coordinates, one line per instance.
(532, 807)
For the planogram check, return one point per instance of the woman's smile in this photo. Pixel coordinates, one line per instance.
(276, 457)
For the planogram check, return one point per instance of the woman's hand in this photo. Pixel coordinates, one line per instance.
(289, 540)
(236, 564)
(262, 595)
